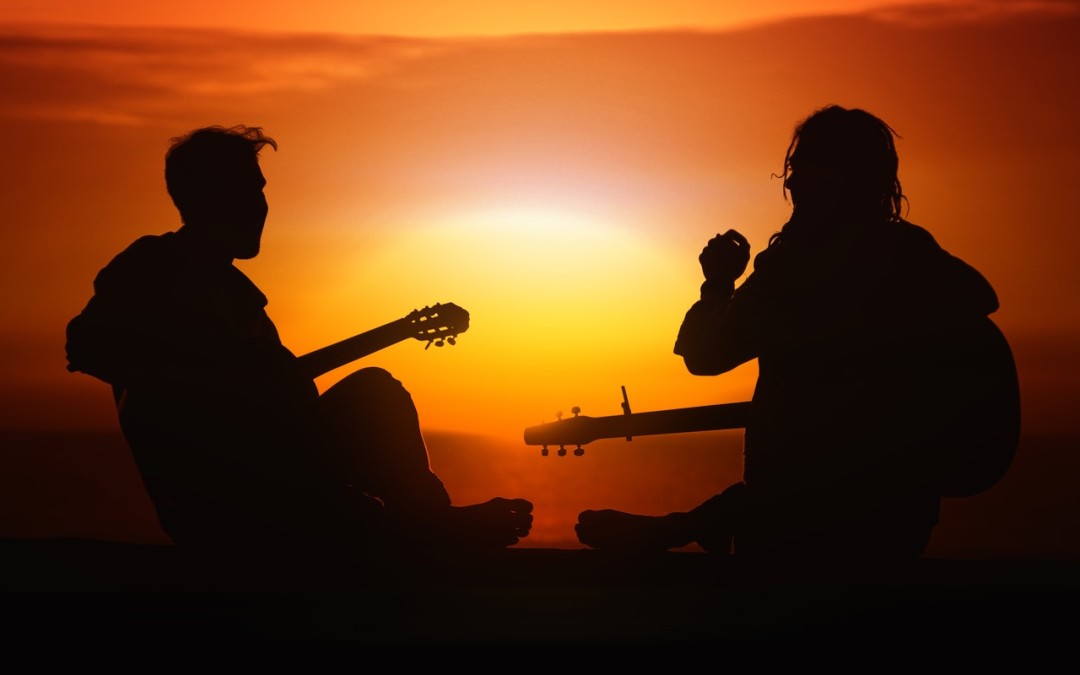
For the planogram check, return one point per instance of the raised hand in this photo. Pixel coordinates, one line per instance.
(724, 258)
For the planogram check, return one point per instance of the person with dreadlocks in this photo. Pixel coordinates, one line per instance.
(881, 377)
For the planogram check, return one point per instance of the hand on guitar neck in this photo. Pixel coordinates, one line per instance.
(437, 324)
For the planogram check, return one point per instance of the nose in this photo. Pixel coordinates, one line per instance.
(792, 183)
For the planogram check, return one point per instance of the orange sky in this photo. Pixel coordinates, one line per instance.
(557, 186)
(431, 18)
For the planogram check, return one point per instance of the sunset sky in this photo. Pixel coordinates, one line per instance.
(430, 18)
(553, 167)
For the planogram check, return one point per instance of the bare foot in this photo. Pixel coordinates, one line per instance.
(615, 530)
(498, 522)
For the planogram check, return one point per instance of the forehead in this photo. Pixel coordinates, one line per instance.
(803, 158)
(808, 146)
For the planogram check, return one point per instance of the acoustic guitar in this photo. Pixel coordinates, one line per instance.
(582, 429)
(969, 441)
(436, 324)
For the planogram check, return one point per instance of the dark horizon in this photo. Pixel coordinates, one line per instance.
(85, 485)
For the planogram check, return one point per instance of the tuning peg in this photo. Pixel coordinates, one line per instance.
(562, 451)
(579, 451)
(451, 340)
(439, 342)
(544, 451)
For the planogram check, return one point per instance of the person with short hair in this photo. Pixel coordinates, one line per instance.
(236, 447)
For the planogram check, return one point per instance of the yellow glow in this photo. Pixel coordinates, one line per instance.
(564, 309)
(558, 188)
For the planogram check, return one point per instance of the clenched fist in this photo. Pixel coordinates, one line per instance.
(724, 258)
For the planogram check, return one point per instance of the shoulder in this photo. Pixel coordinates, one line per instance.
(910, 235)
(147, 258)
(911, 246)
(150, 248)
(948, 279)
(913, 241)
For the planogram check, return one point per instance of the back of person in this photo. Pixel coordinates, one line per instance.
(883, 384)
(203, 394)
(885, 375)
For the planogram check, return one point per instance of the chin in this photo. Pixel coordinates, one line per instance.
(246, 254)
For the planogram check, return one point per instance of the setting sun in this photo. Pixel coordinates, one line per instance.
(556, 173)
(561, 303)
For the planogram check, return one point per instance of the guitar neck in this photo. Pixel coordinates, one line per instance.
(322, 361)
(579, 430)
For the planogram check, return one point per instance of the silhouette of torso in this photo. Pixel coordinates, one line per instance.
(869, 340)
(209, 398)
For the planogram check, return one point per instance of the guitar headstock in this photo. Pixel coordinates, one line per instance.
(576, 430)
(438, 324)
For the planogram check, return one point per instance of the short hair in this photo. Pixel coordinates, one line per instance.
(857, 144)
(198, 164)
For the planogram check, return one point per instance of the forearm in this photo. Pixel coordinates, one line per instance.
(706, 338)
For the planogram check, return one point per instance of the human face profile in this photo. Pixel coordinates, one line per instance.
(244, 213)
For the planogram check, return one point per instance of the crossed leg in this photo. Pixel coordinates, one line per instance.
(609, 529)
(710, 525)
(376, 447)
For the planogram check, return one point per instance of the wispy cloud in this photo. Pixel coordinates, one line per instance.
(975, 11)
(126, 76)
(131, 76)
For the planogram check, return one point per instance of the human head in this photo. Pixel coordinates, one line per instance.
(214, 179)
(844, 158)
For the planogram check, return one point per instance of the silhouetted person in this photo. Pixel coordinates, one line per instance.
(236, 447)
(882, 383)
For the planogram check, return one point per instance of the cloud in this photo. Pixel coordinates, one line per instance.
(125, 76)
(975, 11)
(131, 76)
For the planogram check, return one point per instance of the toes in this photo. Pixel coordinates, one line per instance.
(518, 505)
(499, 521)
(515, 515)
(521, 526)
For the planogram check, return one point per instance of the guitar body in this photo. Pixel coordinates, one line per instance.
(978, 439)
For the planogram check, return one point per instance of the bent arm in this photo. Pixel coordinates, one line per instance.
(712, 339)
(321, 361)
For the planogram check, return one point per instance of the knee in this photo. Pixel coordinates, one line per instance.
(373, 378)
(372, 386)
